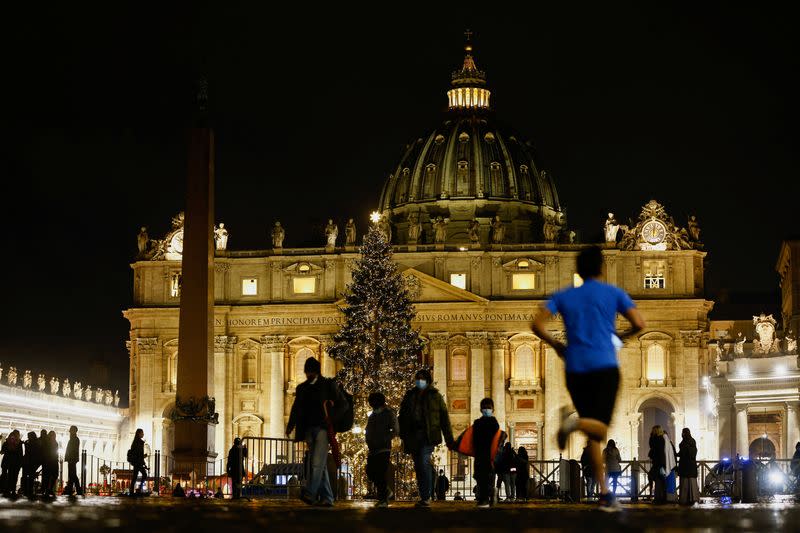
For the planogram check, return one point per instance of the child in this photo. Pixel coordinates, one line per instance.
(382, 426)
(484, 440)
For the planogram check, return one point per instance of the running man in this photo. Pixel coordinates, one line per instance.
(589, 313)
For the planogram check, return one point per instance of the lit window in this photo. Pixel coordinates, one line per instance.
(304, 269)
(458, 366)
(459, 280)
(577, 280)
(523, 282)
(249, 368)
(175, 284)
(306, 285)
(656, 364)
(523, 360)
(523, 264)
(654, 275)
(299, 363)
(249, 287)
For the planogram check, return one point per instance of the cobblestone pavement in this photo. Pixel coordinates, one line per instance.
(153, 514)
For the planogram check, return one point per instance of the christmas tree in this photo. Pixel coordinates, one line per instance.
(377, 347)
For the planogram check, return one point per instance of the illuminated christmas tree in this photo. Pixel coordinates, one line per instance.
(377, 347)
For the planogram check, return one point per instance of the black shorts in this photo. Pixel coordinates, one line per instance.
(594, 393)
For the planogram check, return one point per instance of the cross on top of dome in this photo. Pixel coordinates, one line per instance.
(469, 75)
(469, 84)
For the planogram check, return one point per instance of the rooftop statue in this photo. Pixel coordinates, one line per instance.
(98, 395)
(27, 379)
(767, 341)
(611, 228)
(498, 230)
(474, 231)
(738, 346)
(277, 235)
(116, 398)
(791, 342)
(414, 228)
(12, 375)
(440, 230)
(694, 229)
(66, 388)
(221, 237)
(350, 233)
(143, 241)
(54, 384)
(77, 390)
(41, 383)
(331, 233)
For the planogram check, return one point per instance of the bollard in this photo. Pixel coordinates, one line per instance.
(749, 485)
(634, 482)
(157, 473)
(83, 472)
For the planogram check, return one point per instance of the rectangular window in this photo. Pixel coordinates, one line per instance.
(459, 280)
(523, 282)
(305, 285)
(654, 274)
(175, 285)
(250, 287)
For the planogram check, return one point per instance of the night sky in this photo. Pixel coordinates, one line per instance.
(313, 108)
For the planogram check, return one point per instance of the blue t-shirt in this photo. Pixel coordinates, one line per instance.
(589, 313)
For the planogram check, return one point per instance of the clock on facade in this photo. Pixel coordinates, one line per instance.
(176, 242)
(654, 232)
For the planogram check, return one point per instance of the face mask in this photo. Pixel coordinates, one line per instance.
(421, 384)
(486, 412)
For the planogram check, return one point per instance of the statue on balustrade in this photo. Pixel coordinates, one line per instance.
(54, 385)
(350, 233)
(66, 388)
(41, 383)
(277, 235)
(27, 379)
(12, 375)
(221, 237)
(331, 233)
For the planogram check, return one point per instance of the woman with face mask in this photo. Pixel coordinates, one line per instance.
(423, 420)
(484, 430)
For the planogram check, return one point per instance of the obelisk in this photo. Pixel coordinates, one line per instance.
(196, 418)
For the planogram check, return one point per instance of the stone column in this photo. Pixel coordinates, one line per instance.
(635, 421)
(274, 346)
(146, 352)
(477, 387)
(223, 353)
(438, 344)
(742, 435)
(792, 428)
(326, 361)
(498, 343)
(195, 406)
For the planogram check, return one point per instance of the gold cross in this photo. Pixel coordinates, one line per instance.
(468, 34)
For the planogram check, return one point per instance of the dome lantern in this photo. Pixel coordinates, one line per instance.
(469, 84)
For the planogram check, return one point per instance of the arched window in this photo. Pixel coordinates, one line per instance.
(429, 183)
(458, 366)
(656, 364)
(496, 179)
(523, 363)
(172, 370)
(249, 368)
(462, 178)
(299, 362)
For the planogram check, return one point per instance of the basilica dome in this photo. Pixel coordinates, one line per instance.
(471, 169)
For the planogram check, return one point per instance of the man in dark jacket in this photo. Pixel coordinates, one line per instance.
(382, 427)
(137, 457)
(12, 462)
(484, 430)
(30, 462)
(71, 457)
(307, 418)
(235, 467)
(442, 485)
(423, 421)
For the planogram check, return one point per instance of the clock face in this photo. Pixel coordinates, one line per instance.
(177, 242)
(654, 232)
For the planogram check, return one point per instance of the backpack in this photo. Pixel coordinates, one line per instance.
(130, 456)
(345, 421)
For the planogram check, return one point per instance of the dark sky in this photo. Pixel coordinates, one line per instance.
(694, 106)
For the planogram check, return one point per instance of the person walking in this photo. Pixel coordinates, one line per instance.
(49, 464)
(12, 462)
(671, 459)
(30, 463)
(442, 486)
(484, 436)
(687, 469)
(523, 474)
(588, 475)
(423, 421)
(71, 457)
(794, 466)
(589, 314)
(382, 427)
(612, 460)
(235, 467)
(504, 471)
(308, 420)
(658, 465)
(136, 457)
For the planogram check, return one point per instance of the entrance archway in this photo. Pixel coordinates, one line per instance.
(762, 449)
(655, 412)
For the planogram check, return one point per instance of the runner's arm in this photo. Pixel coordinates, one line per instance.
(637, 323)
(538, 326)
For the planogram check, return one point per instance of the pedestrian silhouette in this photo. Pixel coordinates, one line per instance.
(71, 457)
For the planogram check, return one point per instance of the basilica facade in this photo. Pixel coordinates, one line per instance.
(482, 239)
